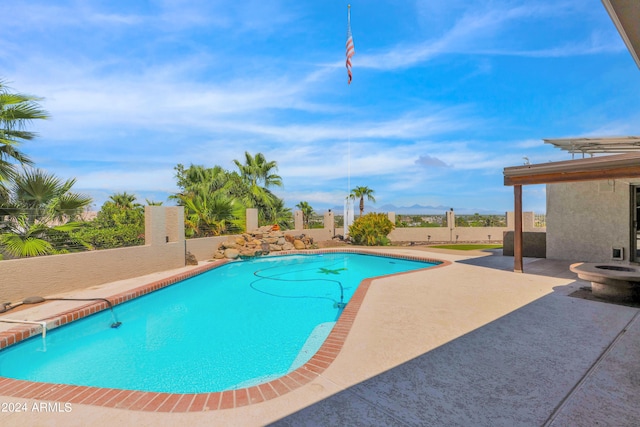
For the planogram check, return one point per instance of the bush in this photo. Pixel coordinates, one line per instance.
(113, 237)
(371, 230)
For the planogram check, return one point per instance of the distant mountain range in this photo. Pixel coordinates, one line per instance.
(419, 210)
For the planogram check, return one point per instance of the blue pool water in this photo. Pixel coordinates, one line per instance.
(238, 325)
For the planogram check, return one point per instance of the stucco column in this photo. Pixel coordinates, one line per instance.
(155, 225)
(451, 223)
(298, 220)
(329, 224)
(392, 217)
(252, 219)
(175, 223)
(517, 232)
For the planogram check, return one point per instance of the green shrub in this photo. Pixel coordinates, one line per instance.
(371, 230)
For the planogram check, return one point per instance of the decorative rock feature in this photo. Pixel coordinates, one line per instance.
(261, 242)
(231, 253)
(190, 259)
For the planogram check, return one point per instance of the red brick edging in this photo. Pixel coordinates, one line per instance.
(188, 402)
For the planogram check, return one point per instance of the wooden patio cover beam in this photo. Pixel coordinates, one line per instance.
(591, 169)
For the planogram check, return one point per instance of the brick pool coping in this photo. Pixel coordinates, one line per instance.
(190, 402)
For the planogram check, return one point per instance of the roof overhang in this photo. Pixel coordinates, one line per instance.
(585, 145)
(625, 15)
(590, 169)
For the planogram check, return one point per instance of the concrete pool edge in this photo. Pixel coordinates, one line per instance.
(195, 402)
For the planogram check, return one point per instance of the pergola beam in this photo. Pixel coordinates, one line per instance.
(517, 234)
(592, 169)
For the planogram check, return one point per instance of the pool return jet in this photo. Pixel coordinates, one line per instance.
(7, 306)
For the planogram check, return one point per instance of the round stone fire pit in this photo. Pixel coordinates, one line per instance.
(610, 281)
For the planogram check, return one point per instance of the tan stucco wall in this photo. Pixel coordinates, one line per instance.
(462, 234)
(585, 220)
(204, 247)
(49, 275)
(443, 234)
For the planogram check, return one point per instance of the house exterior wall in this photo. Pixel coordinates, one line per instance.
(586, 220)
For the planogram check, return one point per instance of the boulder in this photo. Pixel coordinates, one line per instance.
(299, 244)
(288, 246)
(190, 259)
(246, 252)
(231, 253)
(229, 244)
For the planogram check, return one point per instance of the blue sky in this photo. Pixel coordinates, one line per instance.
(444, 94)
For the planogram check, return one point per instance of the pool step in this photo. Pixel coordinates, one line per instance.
(313, 344)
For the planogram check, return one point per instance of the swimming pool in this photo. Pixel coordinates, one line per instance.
(238, 325)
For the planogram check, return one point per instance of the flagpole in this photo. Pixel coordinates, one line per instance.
(349, 37)
(350, 51)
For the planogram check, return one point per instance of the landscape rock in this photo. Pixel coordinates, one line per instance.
(261, 242)
(231, 253)
(288, 246)
(190, 259)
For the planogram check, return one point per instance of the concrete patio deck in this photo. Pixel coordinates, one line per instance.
(468, 344)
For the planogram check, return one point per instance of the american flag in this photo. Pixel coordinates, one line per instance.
(350, 49)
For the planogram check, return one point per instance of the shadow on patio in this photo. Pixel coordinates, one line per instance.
(555, 361)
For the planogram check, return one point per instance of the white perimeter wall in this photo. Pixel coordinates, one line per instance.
(585, 220)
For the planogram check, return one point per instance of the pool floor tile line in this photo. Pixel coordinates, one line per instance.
(193, 402)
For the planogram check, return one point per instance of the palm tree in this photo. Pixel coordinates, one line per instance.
(253, 184)
(124, 201)
(256, 171)
(212, 214)
(197, 178)
(361, 193)
(16, 111)
(307, 211)
(41, 212)
(45, 197)
(280, 214)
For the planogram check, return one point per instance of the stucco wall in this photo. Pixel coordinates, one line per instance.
(165, 250)
(533, 244)
(49, 275)
(585, 220)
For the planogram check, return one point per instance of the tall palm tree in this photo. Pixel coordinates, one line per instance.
(257, 176)
(16, 111)
(361, 193)
(256, 171)
(307, 211)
